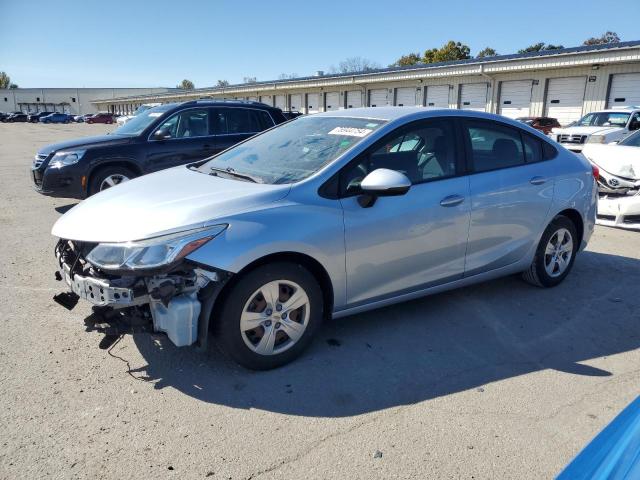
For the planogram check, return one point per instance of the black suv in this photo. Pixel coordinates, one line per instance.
(161, 137)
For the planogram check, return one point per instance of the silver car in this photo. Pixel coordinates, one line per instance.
(325, 216)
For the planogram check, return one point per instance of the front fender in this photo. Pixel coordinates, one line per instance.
(315, 230)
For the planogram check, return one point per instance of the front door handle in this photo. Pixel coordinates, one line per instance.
(537, 180)
(451, 201)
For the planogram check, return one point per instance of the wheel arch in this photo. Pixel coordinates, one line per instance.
(116, 162)
(310, 263)
(575, 216)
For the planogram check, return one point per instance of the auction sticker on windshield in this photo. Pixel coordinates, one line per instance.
(351, 132)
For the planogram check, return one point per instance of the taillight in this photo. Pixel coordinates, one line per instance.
(596, 172)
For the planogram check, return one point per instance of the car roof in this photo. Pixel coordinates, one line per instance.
(412, 113)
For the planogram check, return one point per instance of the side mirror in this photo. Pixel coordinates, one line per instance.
(382, 182)
(161, 134)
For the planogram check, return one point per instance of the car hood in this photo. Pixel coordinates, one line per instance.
(163, 202)
(99, 140)
(586, 130)
(616, 159)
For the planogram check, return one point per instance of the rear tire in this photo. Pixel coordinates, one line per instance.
(555, 254)
(108, 177)
(261, 332)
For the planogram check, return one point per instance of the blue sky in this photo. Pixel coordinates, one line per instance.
(67, 43)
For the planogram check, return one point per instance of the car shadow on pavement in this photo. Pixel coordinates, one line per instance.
(426, 348)
(65, 208)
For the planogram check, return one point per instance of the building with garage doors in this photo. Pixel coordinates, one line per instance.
(76, 101)
(564, 84)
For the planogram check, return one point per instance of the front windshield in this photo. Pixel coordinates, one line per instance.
(140, 109)
(137, 124)
(604, 119)
(294, 150)
(632, 140)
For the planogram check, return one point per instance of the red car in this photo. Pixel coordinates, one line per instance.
(101, 118)
(544, 124)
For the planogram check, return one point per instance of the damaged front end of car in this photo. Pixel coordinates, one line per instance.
(143, 286)
(619, 200)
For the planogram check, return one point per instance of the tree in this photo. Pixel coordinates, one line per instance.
(13, 86)
(486, 52)
(608, 37)
(222, 83)
(354, 65)
(186, 85)
(408, 59)
(539, 47)
(5, 80)
(448, 52)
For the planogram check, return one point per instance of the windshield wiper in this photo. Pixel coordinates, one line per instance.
(230, 171)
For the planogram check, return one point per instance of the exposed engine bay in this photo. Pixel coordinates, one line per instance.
(176, 301)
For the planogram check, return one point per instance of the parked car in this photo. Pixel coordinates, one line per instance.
(101, 118)
(122, 119)
(3, 116)
(56, 118)
(604, 126)
(618, 182)
(17, 117)
(36, 116)
(78, 118)
(544, 124)
(327, 215)
(161, 137)
(614, 454)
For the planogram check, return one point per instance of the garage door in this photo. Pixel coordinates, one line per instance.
(268, 99)
(437, 96)
(295, 101)
(378, 97)
(515, 98)
(313, 103)
(473, 96)
(332, 101)
(354, 99)
(280, 102)
(253, 99)
(624, 90)
(406, 97)
(564, 98)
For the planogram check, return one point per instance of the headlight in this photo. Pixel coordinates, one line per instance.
(596, 139)
(64, 158)
(153, 253)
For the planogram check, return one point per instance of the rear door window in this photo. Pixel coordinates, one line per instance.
(493, 146)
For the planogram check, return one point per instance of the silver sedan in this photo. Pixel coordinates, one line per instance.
(325, 216)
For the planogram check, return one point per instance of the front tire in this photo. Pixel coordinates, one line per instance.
(555, 254)
(108, 177)
(270, 315)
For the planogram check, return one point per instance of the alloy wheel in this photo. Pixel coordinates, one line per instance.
(275, 317)
(113, 180)
(558, 253)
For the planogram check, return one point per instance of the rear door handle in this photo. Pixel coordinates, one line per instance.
(451, 201)
(537, 180)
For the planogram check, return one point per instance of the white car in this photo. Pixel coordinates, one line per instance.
(121, 120)
(605, 126)
(618, 181)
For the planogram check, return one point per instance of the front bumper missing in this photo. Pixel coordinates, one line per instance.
(100, 292)
(177, 303)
